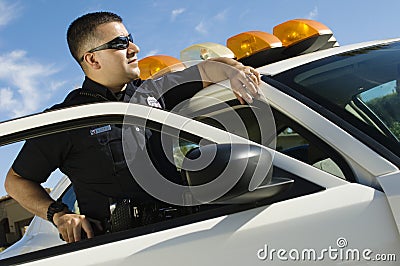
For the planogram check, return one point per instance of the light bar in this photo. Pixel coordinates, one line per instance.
(157, 65)
(251, 42)
(204, 51)
(332, 42)
(297, 30)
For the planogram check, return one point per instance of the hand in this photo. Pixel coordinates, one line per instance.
(244, 80)
(70, 226)
(245, 83)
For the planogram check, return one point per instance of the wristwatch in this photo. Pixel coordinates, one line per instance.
(55, 207)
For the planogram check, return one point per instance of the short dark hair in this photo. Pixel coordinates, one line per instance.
(82, 31)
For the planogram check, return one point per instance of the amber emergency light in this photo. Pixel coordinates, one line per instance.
(247, 43)
(157, 65)
(302, 36)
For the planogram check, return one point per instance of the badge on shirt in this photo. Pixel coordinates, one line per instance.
(153, 102)
(100, 130)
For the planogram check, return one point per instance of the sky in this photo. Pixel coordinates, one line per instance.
(37, 71)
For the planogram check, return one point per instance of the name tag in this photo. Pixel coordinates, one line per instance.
(100, 130)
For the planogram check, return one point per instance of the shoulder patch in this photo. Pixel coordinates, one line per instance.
(153, 102)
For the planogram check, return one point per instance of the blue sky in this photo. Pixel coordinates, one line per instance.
(36, 69)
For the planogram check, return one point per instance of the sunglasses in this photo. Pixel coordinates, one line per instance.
(119, 43)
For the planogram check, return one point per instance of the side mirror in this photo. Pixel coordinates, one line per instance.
(231, 173)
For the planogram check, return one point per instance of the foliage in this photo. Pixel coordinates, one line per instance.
(387, 109)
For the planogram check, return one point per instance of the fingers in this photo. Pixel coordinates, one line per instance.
(70, 227)
(70, 234)
(239, 97)
(254, 76)
(245, 80)
(250, 84)
(76, 233)
(87, 228)
(239, 89)
(245, 84)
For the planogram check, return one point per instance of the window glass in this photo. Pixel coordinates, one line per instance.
(295, 145)
(360, 86)
(181, 148)
(381, 105)
(258, 125)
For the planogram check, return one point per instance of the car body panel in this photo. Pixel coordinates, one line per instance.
(236, 239)
(391, 186)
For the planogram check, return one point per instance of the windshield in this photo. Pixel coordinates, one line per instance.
(360, 86)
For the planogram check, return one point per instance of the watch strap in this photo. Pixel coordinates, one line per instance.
(55, 207)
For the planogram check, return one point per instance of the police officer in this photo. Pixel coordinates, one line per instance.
(92, 157)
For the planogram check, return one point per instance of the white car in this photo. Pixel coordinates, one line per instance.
(329, 127)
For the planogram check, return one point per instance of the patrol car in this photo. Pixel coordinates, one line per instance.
(319, 152)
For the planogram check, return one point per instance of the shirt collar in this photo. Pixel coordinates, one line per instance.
(97, 88)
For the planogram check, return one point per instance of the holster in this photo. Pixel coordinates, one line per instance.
(123, 215)
(126, 214)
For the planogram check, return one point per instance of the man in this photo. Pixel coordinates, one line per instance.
(104, 49)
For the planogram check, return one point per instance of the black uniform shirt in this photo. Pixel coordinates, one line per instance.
(92, 157)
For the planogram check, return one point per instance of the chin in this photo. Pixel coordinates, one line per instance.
(135, 74)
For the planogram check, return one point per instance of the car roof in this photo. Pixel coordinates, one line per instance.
(281, 66)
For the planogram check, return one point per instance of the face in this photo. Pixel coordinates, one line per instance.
(114, 68)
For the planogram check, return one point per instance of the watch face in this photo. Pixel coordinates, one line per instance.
(58, 206)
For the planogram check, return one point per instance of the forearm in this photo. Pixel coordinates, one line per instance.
(217, 69)
(31, 195)
(244, 80)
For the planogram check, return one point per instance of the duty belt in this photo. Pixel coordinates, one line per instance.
(125, 214)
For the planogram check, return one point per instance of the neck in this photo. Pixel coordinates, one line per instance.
(117, 89)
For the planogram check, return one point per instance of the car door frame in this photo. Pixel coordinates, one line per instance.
(19, 129)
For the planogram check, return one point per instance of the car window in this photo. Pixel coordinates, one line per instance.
(291, 139)
(296, 141)
(379, 106)
(359, 86)
(295, 145)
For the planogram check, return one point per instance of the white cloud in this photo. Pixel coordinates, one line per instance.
(176, 12)
(7, 100)
(25, 84)
(152, 52)
(313, 13)
(201, 28)
(206, 24)
(55, 85)
(221, 15)
(8, 12)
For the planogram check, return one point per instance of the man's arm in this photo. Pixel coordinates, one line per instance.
(244, 79)
(33, 197)
(182, 85)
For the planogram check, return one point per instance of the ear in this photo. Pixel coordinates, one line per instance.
(91, 60)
